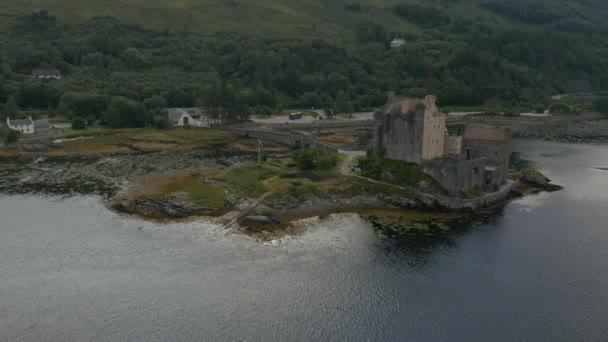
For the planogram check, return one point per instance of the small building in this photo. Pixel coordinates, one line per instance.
(29, 126)
(25, 126)
(42, 126)
(194, 116)
(46, 74)
(397, 42)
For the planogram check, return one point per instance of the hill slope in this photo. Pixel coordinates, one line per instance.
(257, 56)
(329, 18)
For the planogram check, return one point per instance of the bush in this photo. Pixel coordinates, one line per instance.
(313, 158)
(78, 123)
(9, 135)
(601, 106)
(161, 122)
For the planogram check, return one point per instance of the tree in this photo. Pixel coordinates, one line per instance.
(343, 104)
(78, 123)
(601, 106)
(132, 58)
(155, 102)
(161, 122)
(312, 158)
(9, 135)
(122, 112)
(11, 108)
(310, 99)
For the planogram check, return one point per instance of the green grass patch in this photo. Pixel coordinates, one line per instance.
(292, 190)
(210, 195)
(246, 179)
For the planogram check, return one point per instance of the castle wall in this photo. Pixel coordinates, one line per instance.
(434, 130)
(452, 145)
(456, 173)
(400, 135)
(497, 153)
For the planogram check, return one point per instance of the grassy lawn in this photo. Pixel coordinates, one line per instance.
(247, 179)
(211, 195)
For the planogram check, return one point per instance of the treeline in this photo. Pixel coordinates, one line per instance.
(124, 75)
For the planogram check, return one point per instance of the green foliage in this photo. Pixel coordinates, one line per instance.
(155, 102)
(246, 179)
(371, 32)
(9, 135)
(78, 123)
(539, 108)
(601, 106)
(523, 11)
(313, 158)
(122, 112)
(460, 51)
(161, 122)
(10, 107)
(425, 16)
(83, 104)
(397, 172)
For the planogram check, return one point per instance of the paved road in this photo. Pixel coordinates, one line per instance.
(309, 119)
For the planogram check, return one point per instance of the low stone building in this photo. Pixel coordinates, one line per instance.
(414, 130)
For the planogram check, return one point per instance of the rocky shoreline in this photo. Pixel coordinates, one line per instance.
(116, 175)
(581, 128)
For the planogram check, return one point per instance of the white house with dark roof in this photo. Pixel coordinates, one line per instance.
(45, 74)
(195, 116)
(25, 126)
(29, 126)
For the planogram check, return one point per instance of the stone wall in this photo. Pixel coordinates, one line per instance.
(497, 153)
(400, 135)
(456, 173)
(293, 140)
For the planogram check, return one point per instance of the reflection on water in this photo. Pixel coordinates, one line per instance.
(534, 270)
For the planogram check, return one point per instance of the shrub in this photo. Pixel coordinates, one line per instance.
(160, 122)
(9, 135)
(78, 123)
(313, 158)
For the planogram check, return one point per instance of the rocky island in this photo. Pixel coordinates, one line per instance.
(413, 167)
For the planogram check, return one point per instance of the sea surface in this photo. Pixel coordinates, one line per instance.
(72, 270)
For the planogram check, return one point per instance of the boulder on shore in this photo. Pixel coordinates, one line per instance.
(257, 221)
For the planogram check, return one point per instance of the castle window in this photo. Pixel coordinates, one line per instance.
(476, 170)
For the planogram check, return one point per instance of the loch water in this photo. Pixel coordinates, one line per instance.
(72, 270)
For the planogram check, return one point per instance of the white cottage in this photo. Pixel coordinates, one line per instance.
(187, 117)
(25, 126)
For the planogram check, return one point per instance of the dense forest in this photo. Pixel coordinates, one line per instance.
(123, 75)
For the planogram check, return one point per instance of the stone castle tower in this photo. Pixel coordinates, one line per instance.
(410, 129)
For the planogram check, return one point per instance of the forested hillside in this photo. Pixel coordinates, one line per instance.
(259, 56)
